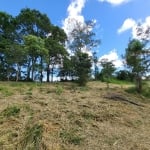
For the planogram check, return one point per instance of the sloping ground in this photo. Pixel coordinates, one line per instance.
(66, 117)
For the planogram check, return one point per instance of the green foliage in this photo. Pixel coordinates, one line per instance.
(137, 59)
(120, 82)
(7, 37)
(82, 37)
(67, 71)
(56, 50)
(25, 47)
(145, 91)
(11, 111)
(134, 57)
(31, 21)
(107, 70)
(82, 67)
(124, 75)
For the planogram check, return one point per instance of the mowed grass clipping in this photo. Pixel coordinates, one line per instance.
(63, 116)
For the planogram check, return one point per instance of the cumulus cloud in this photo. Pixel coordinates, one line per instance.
(128, 24)
(113, 57)
(115, 2)
(75, 20)
(74, 14)
(141, 31)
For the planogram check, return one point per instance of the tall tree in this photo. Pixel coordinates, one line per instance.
(7, 40)
(68, 71)
(143, 32)
(82, 37)
(108, 69)
(36, 50)
(138, 61)
(55, 43)
(33, 22)
(81, 41)
(82, 66)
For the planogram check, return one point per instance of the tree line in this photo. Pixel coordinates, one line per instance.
(26, 48)
(31, 45)
(32, 48)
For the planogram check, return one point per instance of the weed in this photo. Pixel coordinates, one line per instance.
(71, 137)
(83, 88)
(29, 93)
(11, 111)
(120, 82)
(27, 108)
(59, 90)
(48, 91)
(1, 145)
(131, 90)
(87, 115)
(32, 138)
(145, 91)
(5, 91)
(30, 89)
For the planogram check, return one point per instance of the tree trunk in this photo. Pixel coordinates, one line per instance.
(52, 72)
(48, 73)
(139, 84)
(33, 68)
(18, 73)
(32, 72)
(41, 71)
(28, 71)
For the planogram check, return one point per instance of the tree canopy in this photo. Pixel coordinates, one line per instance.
(137, 59)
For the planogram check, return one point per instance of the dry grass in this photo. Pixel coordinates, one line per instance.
(66, 117)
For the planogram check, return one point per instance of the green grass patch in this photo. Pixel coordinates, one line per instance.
(120, 82)
(71, 137)
(32, 137)
(145, 91)
(6, 92)
(59, 89)
(87, 115)
(11, 111)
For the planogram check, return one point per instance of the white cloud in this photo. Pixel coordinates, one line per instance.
(75, 19)
(128, 24)
(74, 14)
(115, 2)
(75, 8)
(113, 56)
(138, 32)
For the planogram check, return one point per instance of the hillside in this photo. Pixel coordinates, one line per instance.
(63, 116)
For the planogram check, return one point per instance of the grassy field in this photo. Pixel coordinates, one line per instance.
(63, 116)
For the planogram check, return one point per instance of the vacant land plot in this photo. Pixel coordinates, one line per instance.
(63, 116)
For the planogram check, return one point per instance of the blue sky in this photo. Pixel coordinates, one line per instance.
(116, 20)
